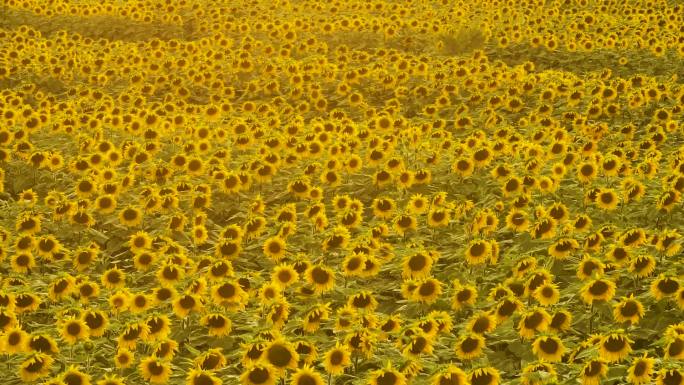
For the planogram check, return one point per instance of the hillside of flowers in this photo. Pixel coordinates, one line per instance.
(362, 192)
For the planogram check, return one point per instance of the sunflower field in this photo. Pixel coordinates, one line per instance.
(357, 192)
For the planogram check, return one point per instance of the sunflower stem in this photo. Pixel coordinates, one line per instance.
(591, 318)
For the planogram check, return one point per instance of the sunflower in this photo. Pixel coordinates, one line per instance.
(84, 258)
(278, 313)
(119, 301)
(563, 248)
(155, 370)
(169, 274)
(484, 376)
(628, 309)
(228, 248)
(201, 377)
(593, 371)
(544, 228)
(22, 262)
(186, 304)
(75, 376)
(280, 354)
(26, 303)
(549, 348)
(35, 366)
(363, 300)
(42, 343)
(599, 289)
(667, 200)
(139, 303)
(346, 316)
(61, 288)
(338, 239)
(478, 251)
(308, 353)
(538, 373)
(371, 265)
(132, 333)
(561, 321)
(439, 217)
(618, 254)
(524, 265)
(15, 340)
(105, 204)
(144, 260)
(274, 248)
(547, 294)
(633, 238)
(589, 267)
(130, 216)
(582, 223)
(314, 317)
(28, 223)
(284, 276)
(664, 286)
(670, 377)
(417, 265)
(481, 323)
(165, 349)
(416, 344)
(73, 330)
(258, 374)
(140, 241)
(387, 376)
(607, 199)
(218, 324)
(463, 296)
(383, 208)
(111, 380)
(427, 290)
(212, 359)
(642, 266)
(470, 346)
(641, 370)
(361, 341)
(517, 220)
(320, 277)
(123, 358)
(96, 322)
(269, 292)
(158, 327)
(512, 186)
(306, 376)
(418, 204)
(254, 227)
(48, 246)
(113, 278)
(452, 375)
(533, 321)
(353, 264)
(252, 353)
(507, 307)
(586, 171)
(336, 359)
(404, 223)
(675, 348)
(27, 198)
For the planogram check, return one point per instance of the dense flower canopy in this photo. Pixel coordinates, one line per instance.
(341, 192)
